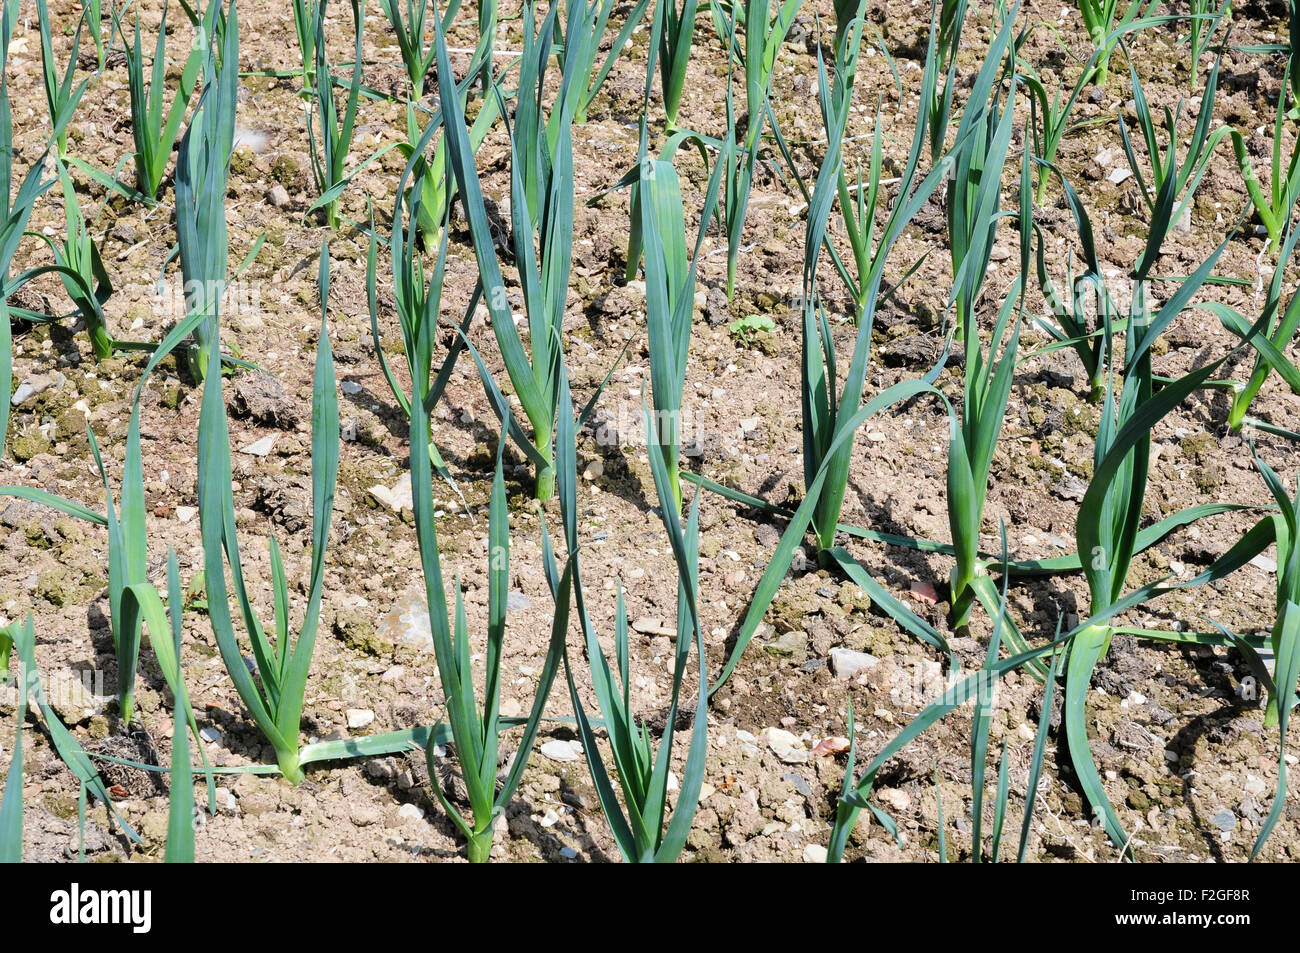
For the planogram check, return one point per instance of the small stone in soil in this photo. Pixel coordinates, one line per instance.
(894, 799)
(647, 626)
(846, 663)
(799, 783)
(562, 750)
(1224, 820)
(786, 746)
(359, 717)
(259, 448)
(924, 592)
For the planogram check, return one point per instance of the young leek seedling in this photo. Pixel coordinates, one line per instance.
(1169, 194)
(1111, 512)
(329, 148)
(984, 139)
(677, 34)
(14, 212)
(429, 173)
(945, 36)
(153, 132)
(642, 826)
(1201, 26)
(62, 95)
(30, 686)
(1284, 640)
(1275, 207)
(474, 732)
(1102, 19)
(410, 31)
(305, 15)
(585, 44)
(1282, 322)
(81, 268)
(202, 174)
(541, 210)
(670, 294)
(763, 36)
(832, 413)
(275, 700)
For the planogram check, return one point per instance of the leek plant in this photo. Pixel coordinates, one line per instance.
(670, 294)
(1049, 117)
(1172, 187)
(1168, 197)
(981, 723)
(676, 33)
(92, 10)
(1201, 26)
(823, 411)
(62, 94)
(1076, 644)
(202, 174)
(1103, 20)
(140, 602)
(15, 211)
(282, 665)
(306, 13)
(585, 43)
(945, 34)
(983, 140)
(763, 35)
(832, 419)
(1284, 639)
(1274, 207)
(1271, 346)
(11, 801)
(1112, 508)
(429, 174)
(153, 132)
(329, 158)
(644, 832)
(410, 30)
(474, 732)
(541, 207)
(81, 268)
(417, 300)
(65, 744)
(1085, 297)
(858, 203)
(132, 600)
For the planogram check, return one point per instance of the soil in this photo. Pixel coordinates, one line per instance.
(1177, 743)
